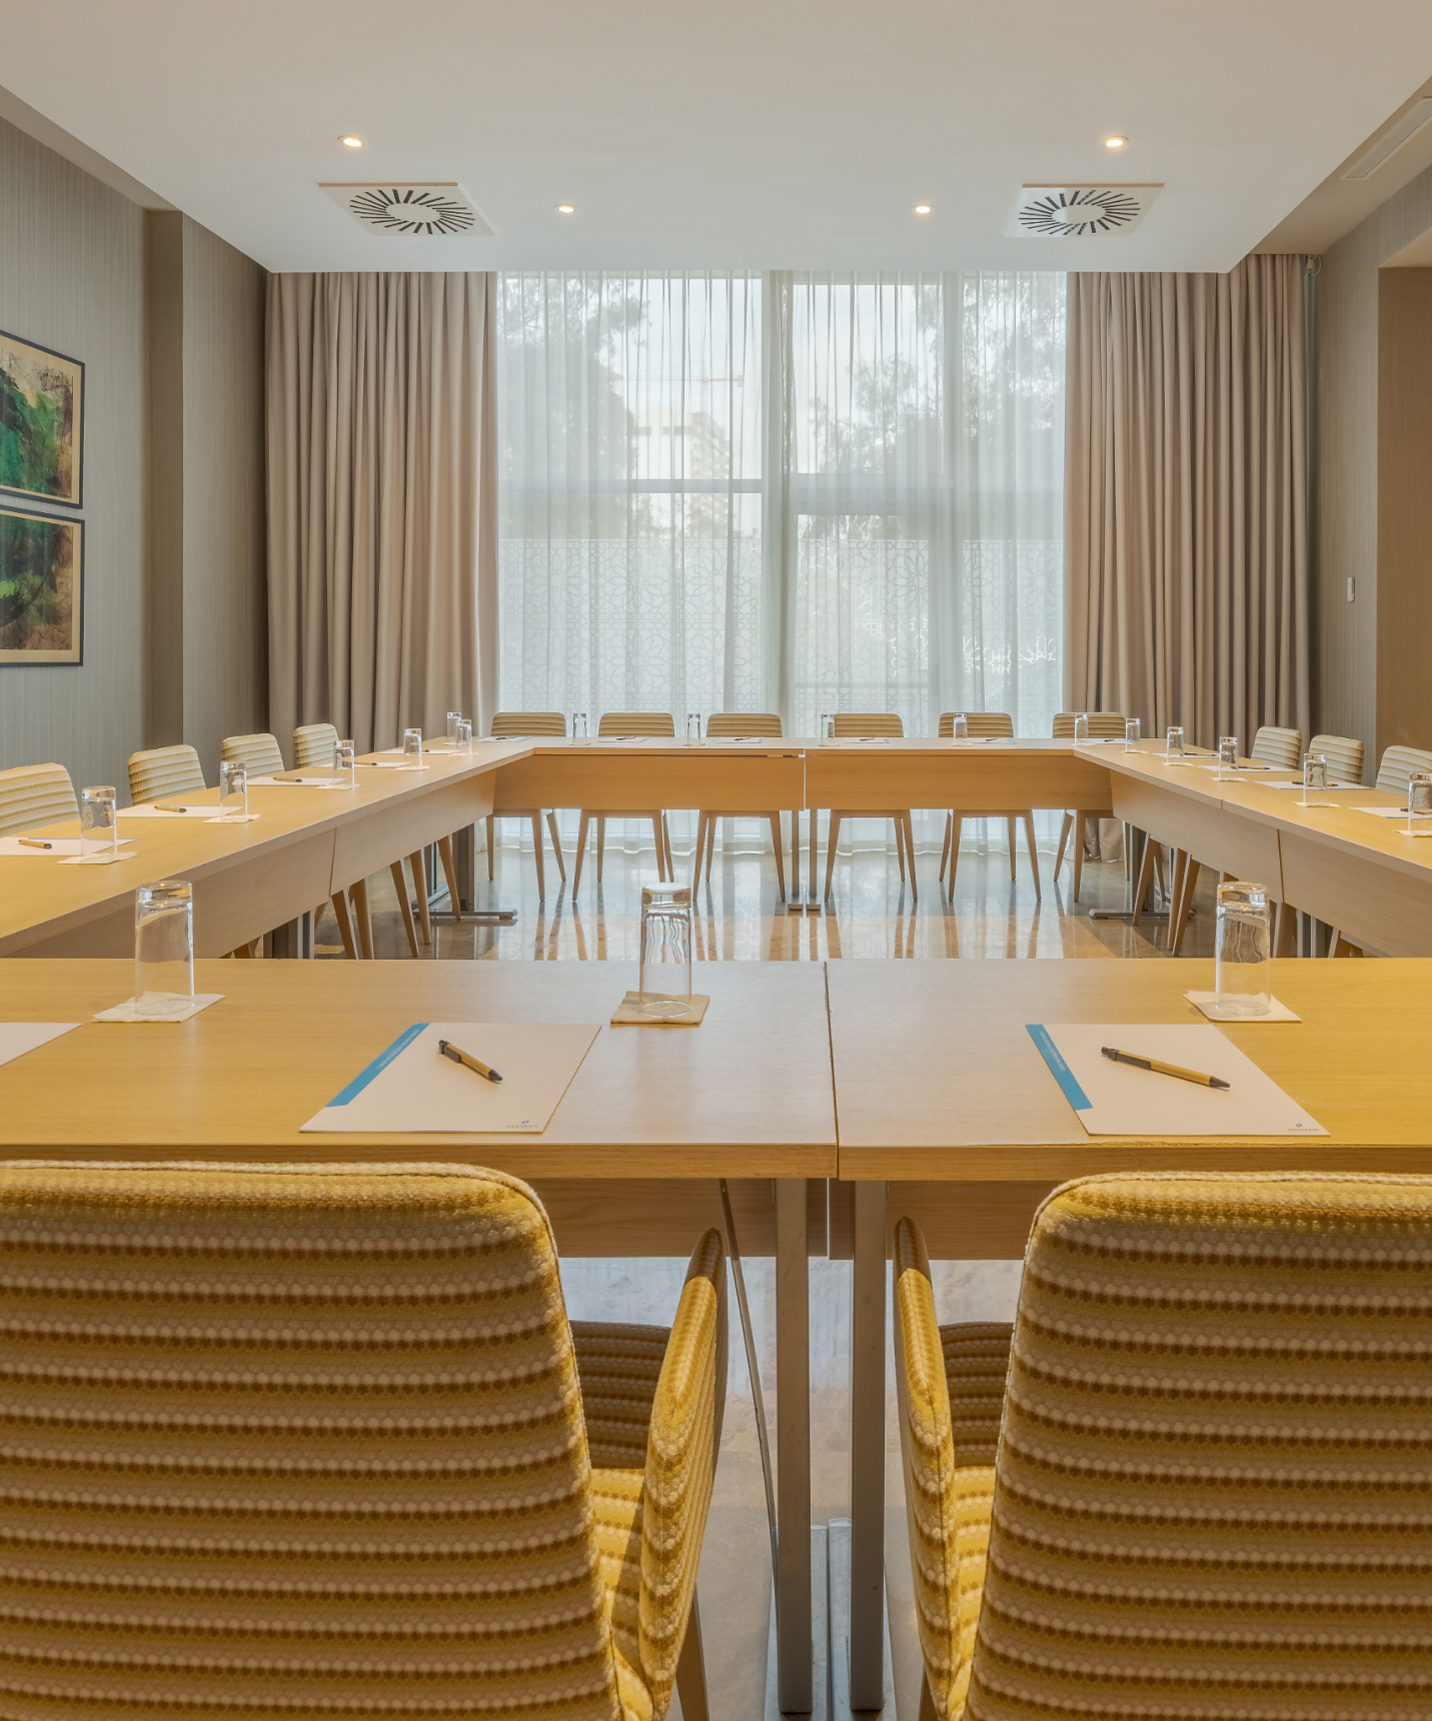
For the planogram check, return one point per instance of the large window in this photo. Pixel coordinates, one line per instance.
(782, 493)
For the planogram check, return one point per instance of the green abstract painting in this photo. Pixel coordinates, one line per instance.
(41, 588)
(41, 422)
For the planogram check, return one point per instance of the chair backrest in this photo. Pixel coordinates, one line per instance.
(305, 1436)
(982, 725)
(529, 723)
(636, 723)
(741, 725)
(35, 795)
(160, 771)
(1343, 754)
(1280, 747)
(1103, 725)
(258, 752)
(1214, 1461)
(1398, 764)
(315, 744)
(860, 724)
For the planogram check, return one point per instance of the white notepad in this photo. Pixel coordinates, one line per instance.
(300, 782)
(411, 1087)
(1297, 785)
(1119, 1099)
(17, 1038)
(13, 848)
(205, 810)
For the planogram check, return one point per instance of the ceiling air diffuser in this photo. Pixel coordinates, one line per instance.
(1079, 211)
(427, 211)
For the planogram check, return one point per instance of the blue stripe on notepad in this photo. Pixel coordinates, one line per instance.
(380, 1063)
(1060, 1070)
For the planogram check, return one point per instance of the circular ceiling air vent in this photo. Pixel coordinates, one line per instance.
(1080, 211)
(411, 211)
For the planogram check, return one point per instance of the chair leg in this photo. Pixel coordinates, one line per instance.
(691, 1671)
(556, 846)
(537, 852)
(1179, 925)
(1145, 880)
(491, 830)
(957, 826)
(780, 858)
(400, 885)
(1339, 946)
(830, 850)
(1160, 869)
(581, 854)
(359, 892)
(1064, 830)
(345, 926)
(449, 860)
(945, 847)
(420, 885)
(1033, 854)
(1013, 825)
(909, 827)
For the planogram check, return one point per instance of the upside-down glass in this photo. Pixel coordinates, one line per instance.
(1081, 726)
(1131, 732)
(463, 738)
(961, 729)
(1227, 755)
(827, 726)
(665, 945)
(1242, 940)
(163, 948)
(413, 748)
(1315, 774)
(1175, 742)
(453, 719)
(579, 728)
(1419, 798)
(233, 790)
(348, 761)
(99, 824)
(693, 728)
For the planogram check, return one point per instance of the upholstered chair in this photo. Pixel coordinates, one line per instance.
(1343, 754)
(986, 726)
(1193, 1480)
(871, 726)
(1280, 747)
(318, 1440)
(158, 772)
(629, 726)
(1103, 726)
(33, 796)
(261, 753)
(740, 726)
(506, 726)
(315, 744)
(1398, 764)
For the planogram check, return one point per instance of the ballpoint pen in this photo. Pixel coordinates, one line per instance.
(34, 843)
(459, 1056)
(1161, 1069)
(159, 807)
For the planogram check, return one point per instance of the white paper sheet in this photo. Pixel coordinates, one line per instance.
(12, 848)
(412, 1087)
(1296, 786)
(1388, 812)
(1119, 1099)
(17, 1038)
(149, 811)
(299, 783)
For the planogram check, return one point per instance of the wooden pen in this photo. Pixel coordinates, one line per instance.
(459, 1056)
(1161, 1069)
(33, 843)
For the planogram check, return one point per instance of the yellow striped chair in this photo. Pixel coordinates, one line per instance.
(32, 796)
(1103, 726)
(1202, 1490)
(315, 744)
(741, 726)
(986, 726)
(317, 1441)
(1398, 764)
(261, 753)
(630, 726)
(1343, 754)
(506, 726)
(1282, 748)
(871, 726)
(158, 772)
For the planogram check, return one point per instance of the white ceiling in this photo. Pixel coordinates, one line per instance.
(753, 133)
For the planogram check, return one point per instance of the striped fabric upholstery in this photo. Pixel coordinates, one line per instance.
(1343, 754)
(509, 723)
(1103, 725)
(858, 725)
(982, 725)
(1211, 1496)
(32, 796)
(742, 725)
(258, 752)
(1398, 764)
(315, 744)
(161, 771)
(634, 723)
(307, 1441)
(1280, 747)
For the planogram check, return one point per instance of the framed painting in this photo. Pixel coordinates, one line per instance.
(42, 565)
(42, 403)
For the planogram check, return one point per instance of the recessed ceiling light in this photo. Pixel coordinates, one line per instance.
(1115, 142)
(566, 209)
(922, 208)
(350, 142)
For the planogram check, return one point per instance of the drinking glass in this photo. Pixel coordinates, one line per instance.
(1419, 798)
(464, 735)
(1242, 940)
(99, 826)
(1175, 742)
(233, 790)
(163, 948)
(348, 761)
(579, 729)
(1227, 755)
(1081, 726)
(413, 749)
(1131, 732)
(827, 726)
(1315, 775)
(453, 719)
(666, 944)
(693, 728)
(961, 727)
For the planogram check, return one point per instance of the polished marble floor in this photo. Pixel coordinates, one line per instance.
(739, 917)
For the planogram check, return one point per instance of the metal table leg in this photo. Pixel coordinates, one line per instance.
(793, 1579)
(867, 1452)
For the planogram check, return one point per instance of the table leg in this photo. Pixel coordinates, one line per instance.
(867, 1452)
(793, 1580)
(294, 939)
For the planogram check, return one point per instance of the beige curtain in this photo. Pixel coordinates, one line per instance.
(1185, 529)
(382, 488)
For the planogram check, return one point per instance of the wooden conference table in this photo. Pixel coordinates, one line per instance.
(947, 1112)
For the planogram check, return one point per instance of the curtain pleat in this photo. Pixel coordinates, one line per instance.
(382, 484)
(1185, 526)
